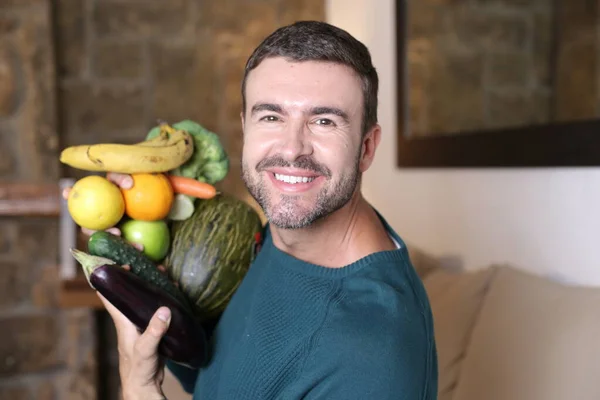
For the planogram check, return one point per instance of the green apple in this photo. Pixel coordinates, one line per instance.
(153, 235)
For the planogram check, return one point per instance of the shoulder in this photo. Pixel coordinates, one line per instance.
(375, 344)
(387, 309)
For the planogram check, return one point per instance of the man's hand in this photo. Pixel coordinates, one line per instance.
(140, 367)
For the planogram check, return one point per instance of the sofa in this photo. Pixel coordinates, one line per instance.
(506, 334)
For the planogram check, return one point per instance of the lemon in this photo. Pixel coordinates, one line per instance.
(182, 208)
(95, 203)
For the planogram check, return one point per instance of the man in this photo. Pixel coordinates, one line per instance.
(331, 307)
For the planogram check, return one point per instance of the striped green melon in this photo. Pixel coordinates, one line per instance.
(211, 252)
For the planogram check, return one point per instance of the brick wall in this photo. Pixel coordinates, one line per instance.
(82, 71)
(45, 353)
(488, 64)
(124, 64)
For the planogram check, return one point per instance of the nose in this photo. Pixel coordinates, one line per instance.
(296, 141)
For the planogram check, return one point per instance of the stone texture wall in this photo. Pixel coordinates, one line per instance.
(490, 64)
(45, 353)
(124, 64)
(83, 71)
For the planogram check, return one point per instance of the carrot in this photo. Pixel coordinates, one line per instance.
(192, 187)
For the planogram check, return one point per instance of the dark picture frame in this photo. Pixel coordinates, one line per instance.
(568, 144)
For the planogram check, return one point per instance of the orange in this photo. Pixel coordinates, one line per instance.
(150, 198)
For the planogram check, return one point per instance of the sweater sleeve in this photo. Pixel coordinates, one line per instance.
(186, 376)
(374, 353)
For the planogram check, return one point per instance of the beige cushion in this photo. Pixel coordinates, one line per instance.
(455, 301)
(422, 262)
(535, 340)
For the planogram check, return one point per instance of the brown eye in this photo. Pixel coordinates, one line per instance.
(325, 122)
(269, 118)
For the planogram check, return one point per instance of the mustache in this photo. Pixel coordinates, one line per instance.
(306, 163)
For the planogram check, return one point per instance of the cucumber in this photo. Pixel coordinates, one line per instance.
(117, 249)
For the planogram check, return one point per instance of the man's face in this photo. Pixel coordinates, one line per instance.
(302, 139)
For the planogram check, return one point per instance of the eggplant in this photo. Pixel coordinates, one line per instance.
(185, 341)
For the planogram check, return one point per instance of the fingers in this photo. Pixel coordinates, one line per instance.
(124, 181)
(146, 347)
(114, 230)
(87, 232)
(141, 368)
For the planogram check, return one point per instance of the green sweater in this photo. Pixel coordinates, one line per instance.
(295, 330)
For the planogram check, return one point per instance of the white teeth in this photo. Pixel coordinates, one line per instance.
(293, 179)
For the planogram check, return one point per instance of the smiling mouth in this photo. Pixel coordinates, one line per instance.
(294, 179)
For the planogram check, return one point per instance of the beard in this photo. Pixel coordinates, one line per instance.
(287, 211)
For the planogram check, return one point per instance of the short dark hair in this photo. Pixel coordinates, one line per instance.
(320, 41)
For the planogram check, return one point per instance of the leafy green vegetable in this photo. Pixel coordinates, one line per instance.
(210, 162)
(216, 171)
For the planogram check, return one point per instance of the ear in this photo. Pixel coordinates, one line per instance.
(369, 145)
(242, 118)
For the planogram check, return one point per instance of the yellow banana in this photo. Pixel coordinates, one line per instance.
(134, 158)
(166, 135)
(161, 140)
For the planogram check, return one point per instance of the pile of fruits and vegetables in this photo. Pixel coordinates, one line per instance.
(205, 240)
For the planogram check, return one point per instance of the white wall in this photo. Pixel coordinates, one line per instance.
(542, 220)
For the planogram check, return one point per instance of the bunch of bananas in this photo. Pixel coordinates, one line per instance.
(165, 152)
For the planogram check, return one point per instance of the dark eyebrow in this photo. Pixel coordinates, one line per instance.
(320, 110)
(330, 110)
(266, 107)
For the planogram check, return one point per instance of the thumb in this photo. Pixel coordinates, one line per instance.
(146, 346)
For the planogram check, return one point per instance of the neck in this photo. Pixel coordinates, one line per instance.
(343, 237)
